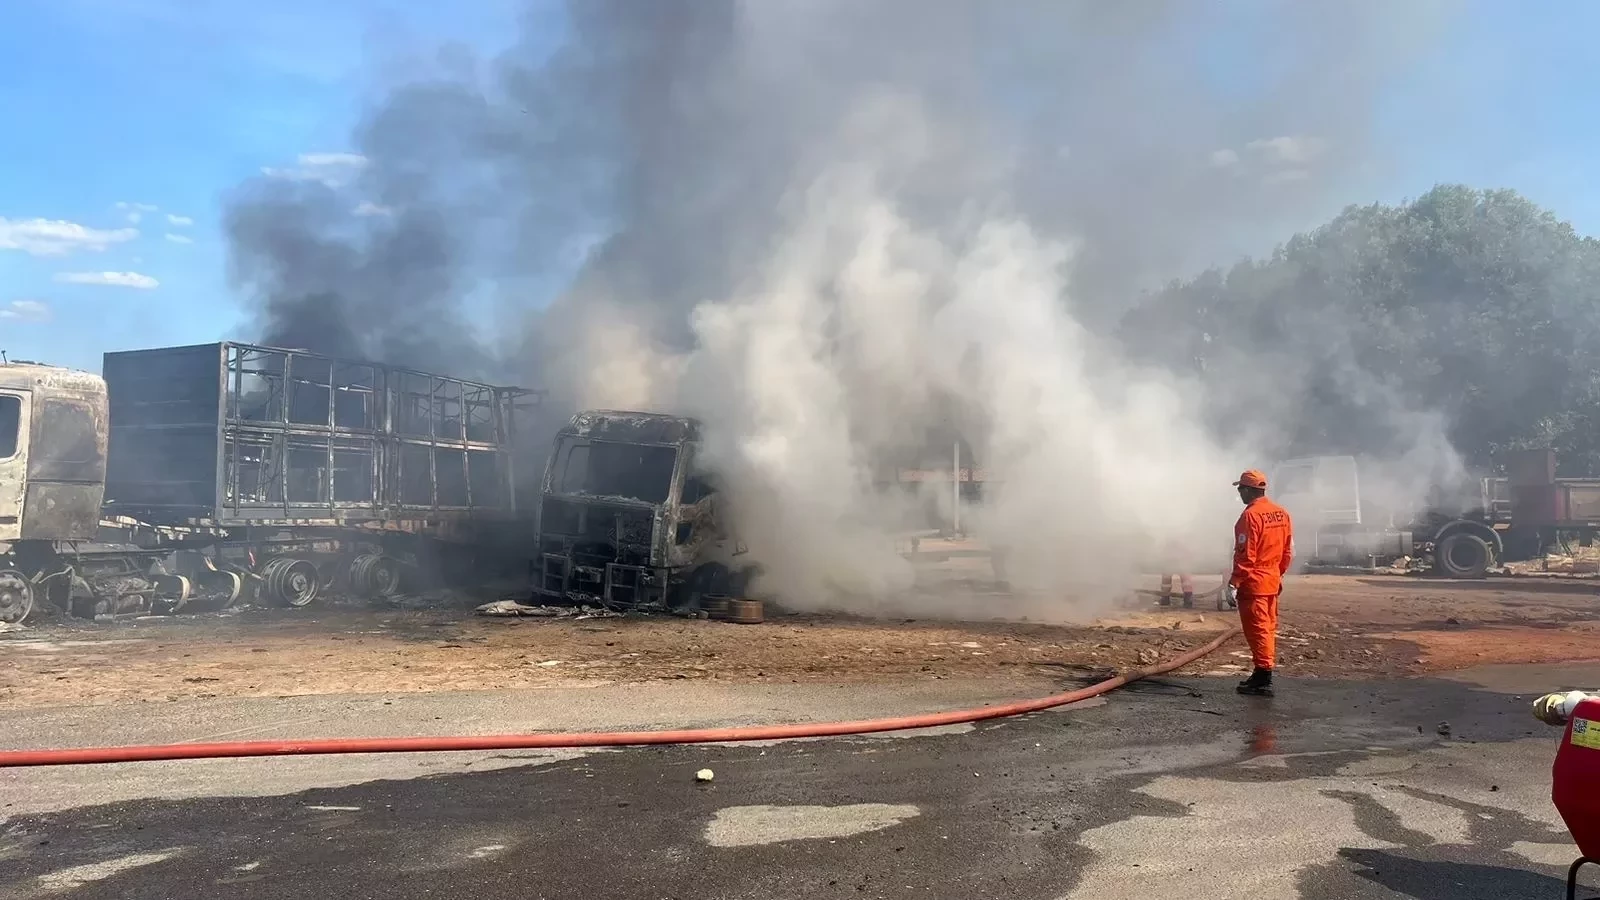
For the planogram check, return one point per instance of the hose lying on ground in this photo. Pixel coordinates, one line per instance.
(92, 755)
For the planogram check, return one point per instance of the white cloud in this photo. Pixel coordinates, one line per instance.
(135, 211)
(1288, 149)
(179, 238)
(332, 159)
(369, 208)
(179, 221)
(332, 169)
(110, 279)
(1224, 158)
(25, 311)
(54, 237)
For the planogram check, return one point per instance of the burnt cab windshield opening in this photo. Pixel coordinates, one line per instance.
(10, 425)
(640, 472)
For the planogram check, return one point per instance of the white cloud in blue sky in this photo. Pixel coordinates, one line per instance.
(56, 237)
(110, 279)
(25, 311)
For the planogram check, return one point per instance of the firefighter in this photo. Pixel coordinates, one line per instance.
(1176, 555)
(1263, 546)
(1185, 584)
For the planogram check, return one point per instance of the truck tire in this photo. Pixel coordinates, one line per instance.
(16, 596)
(1462, 555)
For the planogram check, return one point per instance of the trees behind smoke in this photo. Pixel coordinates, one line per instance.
(1478, 306)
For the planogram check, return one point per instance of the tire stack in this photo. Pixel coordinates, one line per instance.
(732, 609)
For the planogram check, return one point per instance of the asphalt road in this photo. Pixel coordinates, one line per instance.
(1170, 789)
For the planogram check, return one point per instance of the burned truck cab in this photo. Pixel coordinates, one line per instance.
(52, 455)
(627, 519)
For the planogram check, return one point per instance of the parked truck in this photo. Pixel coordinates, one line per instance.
(1461, 531)
(199, 474)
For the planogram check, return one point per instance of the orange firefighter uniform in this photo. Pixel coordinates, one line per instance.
(1263, 546)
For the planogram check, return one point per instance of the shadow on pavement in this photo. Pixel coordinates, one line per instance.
(1449, 880)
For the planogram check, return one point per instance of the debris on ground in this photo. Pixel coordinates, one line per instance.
(704, 775)
(510, 608)
(1335, 628)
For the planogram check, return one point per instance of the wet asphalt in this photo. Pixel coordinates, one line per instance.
(1171, 788)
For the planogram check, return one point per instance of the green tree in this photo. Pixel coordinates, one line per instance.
(1478, 307)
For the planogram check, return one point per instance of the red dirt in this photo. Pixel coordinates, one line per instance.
(1344, 626)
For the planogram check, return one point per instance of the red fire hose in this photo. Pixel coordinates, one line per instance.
(90, 755)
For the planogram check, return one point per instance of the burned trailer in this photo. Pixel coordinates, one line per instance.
(287, 473)
(629, 519)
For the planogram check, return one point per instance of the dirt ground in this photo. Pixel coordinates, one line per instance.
(1347, 626)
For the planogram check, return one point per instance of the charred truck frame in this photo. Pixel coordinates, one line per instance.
(629, 519)
(232, 468)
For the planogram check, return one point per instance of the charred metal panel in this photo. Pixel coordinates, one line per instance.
(240, 434)
(633, 427)
(56, 511)
(164, 408)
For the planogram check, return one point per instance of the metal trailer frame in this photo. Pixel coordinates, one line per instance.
(233, 434)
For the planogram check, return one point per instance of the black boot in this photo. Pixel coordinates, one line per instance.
(1166, 600)
(1259, 684)
(1188, 599)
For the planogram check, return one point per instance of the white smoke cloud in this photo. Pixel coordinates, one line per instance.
(864, 330)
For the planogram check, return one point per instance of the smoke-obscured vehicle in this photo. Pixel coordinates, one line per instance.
(1461, 531)
(630, 519)
(196, 475)
(1337, 524)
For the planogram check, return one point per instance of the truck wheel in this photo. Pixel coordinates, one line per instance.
(291, 582)
(373, 575)
(1462, 555)
(16, 596)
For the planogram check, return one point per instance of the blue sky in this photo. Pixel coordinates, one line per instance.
(127, 122)
(123, 123)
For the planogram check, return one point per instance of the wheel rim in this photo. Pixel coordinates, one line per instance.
(16, 597)
(373, 575)
(384, 577)
(292, 582)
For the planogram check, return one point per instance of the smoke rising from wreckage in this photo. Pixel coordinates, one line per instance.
(830, 230)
